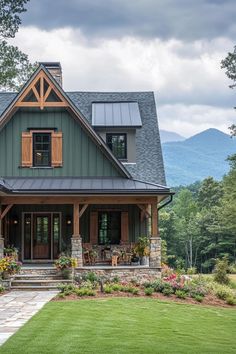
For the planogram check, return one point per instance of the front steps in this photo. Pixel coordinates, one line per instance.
(38, 278)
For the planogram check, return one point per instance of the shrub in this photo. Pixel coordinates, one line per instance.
(231, 300)
(167, 291)
(158, 285)
(67, 289)
(191, 271)
(149, 291)
(135, 291)
(116, 279)
(108, 289)
(84, 292)
(222, 292)
(198, 297)
(232, 268)
(181, 294)
(116, 287)
(91, 276)
(220, 270)
(2, 289)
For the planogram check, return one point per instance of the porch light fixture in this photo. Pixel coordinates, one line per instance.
(68, 220)
(15, 220)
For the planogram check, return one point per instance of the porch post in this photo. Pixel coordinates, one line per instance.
(155, 240)
(76, 242)
(1, 236)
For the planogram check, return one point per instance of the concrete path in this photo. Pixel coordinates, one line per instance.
(17, 307)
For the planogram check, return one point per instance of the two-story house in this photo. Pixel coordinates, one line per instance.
(78, 169)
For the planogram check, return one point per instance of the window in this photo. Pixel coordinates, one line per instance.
(118, 145)
(109, 228)
(42, 149)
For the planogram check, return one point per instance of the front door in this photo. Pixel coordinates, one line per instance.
(42, 236)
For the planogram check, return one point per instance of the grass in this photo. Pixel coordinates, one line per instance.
(123, 326)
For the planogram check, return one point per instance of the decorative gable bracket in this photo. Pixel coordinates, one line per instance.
(41, 93)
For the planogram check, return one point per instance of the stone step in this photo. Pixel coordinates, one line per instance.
(39, 282)
(37, 288)
(39, 271)
(37, 277)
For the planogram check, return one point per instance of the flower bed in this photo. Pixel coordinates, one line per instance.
(175, 287)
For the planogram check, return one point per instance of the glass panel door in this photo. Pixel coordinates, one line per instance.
(109, 227)
(42, 236)
(27, 236)
(56, 227)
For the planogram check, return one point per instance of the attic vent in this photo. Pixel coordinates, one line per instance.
(55, 70)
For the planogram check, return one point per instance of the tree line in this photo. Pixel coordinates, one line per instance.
(200, 225)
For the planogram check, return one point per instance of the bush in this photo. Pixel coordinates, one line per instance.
(108, 289)
(67, 289)
(181, 294)
(158, 285)
(191, 271)
(149, 291)
(167, 291)
(198, 297)
(91, 276)
(232, 268)
(116, 287)
(135, 291)
(2, 289)
(116, 279)
(220, 270)
(231, 300)
(222, 292)
(84, 292)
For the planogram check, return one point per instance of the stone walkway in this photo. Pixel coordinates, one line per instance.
(17, 307)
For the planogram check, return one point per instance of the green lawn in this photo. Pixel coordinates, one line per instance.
(126, 325)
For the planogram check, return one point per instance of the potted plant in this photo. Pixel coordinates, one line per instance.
(8, 267)
(142, 249)
(64, 264)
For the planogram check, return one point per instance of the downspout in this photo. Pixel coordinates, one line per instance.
(166, 203)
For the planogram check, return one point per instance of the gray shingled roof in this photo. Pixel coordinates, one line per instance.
(149, 161)
(53, 185)
(116, 114)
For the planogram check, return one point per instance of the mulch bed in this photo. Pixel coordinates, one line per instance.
(208, 300)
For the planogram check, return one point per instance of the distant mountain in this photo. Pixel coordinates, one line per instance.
(167, 136)
(198, 157)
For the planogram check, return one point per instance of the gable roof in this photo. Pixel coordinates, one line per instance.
(11, 108)
(149, 161)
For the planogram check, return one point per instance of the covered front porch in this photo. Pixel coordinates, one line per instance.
(90, 228)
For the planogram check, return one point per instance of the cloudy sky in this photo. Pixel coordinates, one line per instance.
(172, 47)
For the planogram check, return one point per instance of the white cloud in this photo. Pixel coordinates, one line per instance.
(189, 120)
(191, 88)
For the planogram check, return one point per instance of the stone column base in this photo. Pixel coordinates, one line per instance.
(1, 247)
(76, 250)
(155, 252)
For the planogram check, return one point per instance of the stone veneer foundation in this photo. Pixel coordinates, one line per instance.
(141, 274)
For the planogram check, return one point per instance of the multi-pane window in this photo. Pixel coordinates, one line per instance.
(42, 149)
(109, 228)
(118, 145)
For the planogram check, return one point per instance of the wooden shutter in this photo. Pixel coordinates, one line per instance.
(56, 149)
(124, 227)
(94, 227)
(26, 150)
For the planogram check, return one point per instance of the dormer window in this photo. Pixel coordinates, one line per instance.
(118, 144)
(41, 149)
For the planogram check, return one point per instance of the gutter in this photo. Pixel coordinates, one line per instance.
(167, 202)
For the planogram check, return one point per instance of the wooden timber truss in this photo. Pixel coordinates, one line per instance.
(41, 93)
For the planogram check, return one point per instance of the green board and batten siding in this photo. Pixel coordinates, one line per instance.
(81, 156)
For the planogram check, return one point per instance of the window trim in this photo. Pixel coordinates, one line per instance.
(49, 133)
(118, 134)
